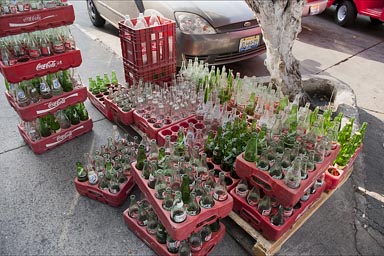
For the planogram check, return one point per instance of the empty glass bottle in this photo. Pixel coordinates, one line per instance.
(278, 218)
(152, 223)
(161, 233)
(81, 173)
(206, 200)
(264, 207)
(293, 175)
(275, 171)
(254, 197)
(133, 207)
(178, 211)
(168, 199)
(193, 208)
(195, 242)
(160, 185)
(184, 249)
(220, 192)
(172, 244)
(142, 217)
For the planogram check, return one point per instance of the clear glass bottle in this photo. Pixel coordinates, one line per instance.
(206, 233)
(152, 223)
(254, 196)
(193, 208)
(133, 209)
(184, 249)
(161, 234)
(242, 188)
(172, 244)
(160, 185)
(293, 175)
(278, 218)
(45, 90)
(264, 207)
(220, 192)
(210, 181)
(206, 200)
(198, 188)
(178, 211)
(168, 199)
(275, 170)
(195, 242)
(142, 217)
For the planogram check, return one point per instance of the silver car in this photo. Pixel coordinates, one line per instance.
(217, 32)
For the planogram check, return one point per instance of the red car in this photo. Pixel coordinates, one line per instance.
(347, 10)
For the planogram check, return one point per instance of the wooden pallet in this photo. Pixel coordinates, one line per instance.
(264, 247)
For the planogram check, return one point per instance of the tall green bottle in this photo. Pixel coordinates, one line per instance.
(250, 153)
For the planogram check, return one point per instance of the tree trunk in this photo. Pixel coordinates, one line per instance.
(280, 21)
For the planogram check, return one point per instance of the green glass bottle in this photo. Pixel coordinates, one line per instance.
(81, 173)
(114, 80)
(346, 131)
(141, 156)
(145, 172)
(106, 80)
(209, 144)
(82, 111)
(74, 116)
(250, 106)
(185, 190)
(44, 128)
(65, 81)
(250, 153)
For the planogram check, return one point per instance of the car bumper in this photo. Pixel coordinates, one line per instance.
(314, 7)
(217, 49)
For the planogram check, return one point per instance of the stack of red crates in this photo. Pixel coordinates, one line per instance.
(284, 195)
(157, 43)
(34, 20)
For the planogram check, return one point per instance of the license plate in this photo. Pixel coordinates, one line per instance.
(249, 43)
(314, 9)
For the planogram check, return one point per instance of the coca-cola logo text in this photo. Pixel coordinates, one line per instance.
(64, 136)
(48, 65)
(54, 104)
(32, 18)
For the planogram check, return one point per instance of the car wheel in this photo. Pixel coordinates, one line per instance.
(94, 15)
(345, 13)
(376, 21)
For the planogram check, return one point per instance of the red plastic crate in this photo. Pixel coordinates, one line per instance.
(334, 175)
(99, 102)
(118, 114)
(288, 197)
(157, 74)
(104, 196)
(262, 223)
(40, 67)
(174, 128)
(45, 106)
(181, 231)
(56, 139)
(152, 129)
(161, 249)
(162, 38)
(12, 24)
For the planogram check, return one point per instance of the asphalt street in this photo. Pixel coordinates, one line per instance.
(42, 214)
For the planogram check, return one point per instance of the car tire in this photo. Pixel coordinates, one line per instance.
(376, 21)
(345, 13)
(94, 14)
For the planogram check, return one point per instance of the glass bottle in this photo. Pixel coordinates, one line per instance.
(262, 162)
(45, 45)
(198, 187)
(74, 116)
(81, 173)
(278, 218)
(114, 186)
(210, 181)
(22, 99)
(185, 191)
(168, 199)
(206, 233)
(58, 44)
(250, 152)
(193, 208)
(206, 200)
(161, 234)
(293, 176)
(145, 171)
(209, 144)
(242, 188)
(133, 209)
(82, 111)
(275, 171)
(220, 192)
(184, 249)
(44, 128)
(65, 80)
(264, 207)
(202, 171)
(152, 178)
(142, 217)
(195, 242)
(172, 244)
(215, 226)
(178, 211)
(33, 46)
(152, 223)
(56, 86)
(160, 185)
(45, 90)
(154, 151)
(254, 197)
(141, 156)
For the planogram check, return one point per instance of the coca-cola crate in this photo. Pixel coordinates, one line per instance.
(99, 102)
(56, 139)
(157, 74)
(104, 196)
(230, 181)
(263, 223)
(174, 128)
(181, 231)
(117, 113)
(157, 41)
(161, 249)
(12, 24)
(150, 126)
(288, 197)
(40, 67)
(46, 106)
(335, 174)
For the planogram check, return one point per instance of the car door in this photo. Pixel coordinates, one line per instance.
(114, 10)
